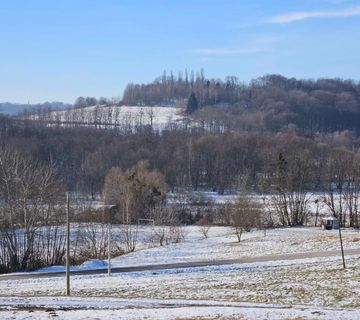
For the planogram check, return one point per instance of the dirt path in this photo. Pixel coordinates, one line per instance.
(277, 257)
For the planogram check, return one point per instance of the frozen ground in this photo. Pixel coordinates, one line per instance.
(80, 308)
(316, 288)
(222, 244)
(302, 289)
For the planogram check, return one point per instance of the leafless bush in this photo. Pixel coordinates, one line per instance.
(205, 225)
(29, 200)
(246, 215)
(290, 199)
(91, 242)
(52, 243)
(204, 230)
(129, 234)
(224, 216)
(177, 234)
(166, 229)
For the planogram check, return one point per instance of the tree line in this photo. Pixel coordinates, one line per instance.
(188, 158)
(269, 103)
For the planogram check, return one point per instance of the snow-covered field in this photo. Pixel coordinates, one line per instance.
(305, 289)
(314, 288)
(125, 116)
(110, 308)
(222, 244)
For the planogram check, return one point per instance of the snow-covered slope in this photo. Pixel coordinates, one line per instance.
(127, 117)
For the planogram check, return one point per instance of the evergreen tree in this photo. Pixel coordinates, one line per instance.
(192, 104)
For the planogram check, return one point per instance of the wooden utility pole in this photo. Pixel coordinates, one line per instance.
(68, 243)
(341, 245)
(317, 211)
(109, 248)
(340, 189)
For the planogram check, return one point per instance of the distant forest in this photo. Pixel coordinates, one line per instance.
(15, 108)
(270, 103)
(234, 135)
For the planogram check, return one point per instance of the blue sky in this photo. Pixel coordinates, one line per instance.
(59, 50)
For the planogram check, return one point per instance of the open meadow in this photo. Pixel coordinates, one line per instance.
(304, 288)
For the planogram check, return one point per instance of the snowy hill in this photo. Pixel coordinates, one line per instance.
(126, 117)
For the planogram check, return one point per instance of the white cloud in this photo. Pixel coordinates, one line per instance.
(298, 16)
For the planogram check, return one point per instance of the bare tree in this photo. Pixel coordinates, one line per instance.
(288, 186)
(136, 191)
(334, 198)
(352, 190)
(205, 224)
(166, 227)
(91, 241)
(204, 230)
(29, 198)
(246, 214)
(150, 113)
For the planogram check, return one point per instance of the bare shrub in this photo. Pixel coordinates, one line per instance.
(288, 186)
(246, 215)
(166, 229)
(91, 242)
(129, 237)
(177, 234)
(205, 225)
(30, 199)
(204, 230)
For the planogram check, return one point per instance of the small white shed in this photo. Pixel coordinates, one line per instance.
(329, 223)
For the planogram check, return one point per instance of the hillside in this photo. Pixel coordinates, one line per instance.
(238, 139)
(270, 103)
(126, 117)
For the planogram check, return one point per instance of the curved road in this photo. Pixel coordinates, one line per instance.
(179, 265)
